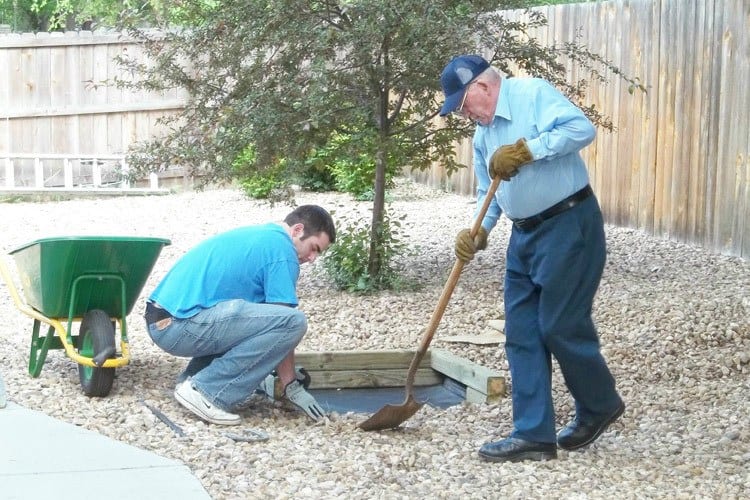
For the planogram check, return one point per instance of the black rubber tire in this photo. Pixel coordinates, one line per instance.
(97, 333)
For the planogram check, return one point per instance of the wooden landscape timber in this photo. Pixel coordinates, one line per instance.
(483, 385)
(388, 368)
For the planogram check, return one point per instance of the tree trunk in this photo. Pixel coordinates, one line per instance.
(378, 211)
(375, 263)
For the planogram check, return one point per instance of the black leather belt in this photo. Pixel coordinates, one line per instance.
(155, 313)
(574, 199)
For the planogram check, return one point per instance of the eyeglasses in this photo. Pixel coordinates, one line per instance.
(460, 109)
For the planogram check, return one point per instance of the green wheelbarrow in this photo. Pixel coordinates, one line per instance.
(92, 281)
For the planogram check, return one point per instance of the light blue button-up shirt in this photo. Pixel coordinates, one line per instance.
(555, 131)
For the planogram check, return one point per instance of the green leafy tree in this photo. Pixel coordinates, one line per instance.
(289, 77)
(58, 15)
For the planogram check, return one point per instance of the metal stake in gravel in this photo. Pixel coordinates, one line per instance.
(391, 416)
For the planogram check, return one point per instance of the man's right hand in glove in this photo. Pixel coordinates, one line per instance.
(466, 247)
(274, 389)
(303, 400)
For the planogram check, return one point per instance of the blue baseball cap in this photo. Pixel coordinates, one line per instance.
(456, 76)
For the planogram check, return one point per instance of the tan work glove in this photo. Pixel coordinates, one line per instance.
(506, 159)
(466, 247)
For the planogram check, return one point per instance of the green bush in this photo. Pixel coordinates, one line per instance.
(259, 183)
(316, 176)
(340, 165)
(350, 160)
(345, 262)
(261, 186)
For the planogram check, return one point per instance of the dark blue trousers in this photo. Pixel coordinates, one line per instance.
(552, 274)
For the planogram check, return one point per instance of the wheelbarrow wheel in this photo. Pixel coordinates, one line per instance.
(97, 335)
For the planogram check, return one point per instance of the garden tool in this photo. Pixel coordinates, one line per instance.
(391, 416)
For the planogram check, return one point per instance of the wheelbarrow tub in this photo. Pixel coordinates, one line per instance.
(48, 267)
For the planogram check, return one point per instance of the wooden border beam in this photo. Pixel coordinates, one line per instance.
(387, 368)
(356, 360)
(395, 377)
(481, 382)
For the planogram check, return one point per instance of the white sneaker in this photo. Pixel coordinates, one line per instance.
(187, 396)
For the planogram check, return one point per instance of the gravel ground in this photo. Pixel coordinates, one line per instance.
(674, 323)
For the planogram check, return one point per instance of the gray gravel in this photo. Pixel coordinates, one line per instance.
(674, 324)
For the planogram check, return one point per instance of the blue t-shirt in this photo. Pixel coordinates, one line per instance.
(254, 263)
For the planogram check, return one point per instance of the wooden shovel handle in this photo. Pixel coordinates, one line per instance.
(437, 314)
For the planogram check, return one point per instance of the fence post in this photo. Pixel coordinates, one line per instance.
(96, 173)
(38, 173)
(10, 180)
(67, 173)
(124, 171)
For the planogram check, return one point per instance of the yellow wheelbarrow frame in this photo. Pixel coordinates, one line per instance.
(64, 339)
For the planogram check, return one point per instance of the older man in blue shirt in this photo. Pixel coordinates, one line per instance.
(530, 136)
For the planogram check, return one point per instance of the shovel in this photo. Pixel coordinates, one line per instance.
(391, 416)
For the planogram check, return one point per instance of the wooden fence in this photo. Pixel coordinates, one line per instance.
(679, 164)
(58, 103)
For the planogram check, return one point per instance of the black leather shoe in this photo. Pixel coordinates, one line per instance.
(515, 450)
(579, 433)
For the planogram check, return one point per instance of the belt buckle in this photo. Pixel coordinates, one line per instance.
(526, 224)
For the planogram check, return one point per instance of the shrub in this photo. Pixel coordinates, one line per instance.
(345, 262)
(316, 176)
(259, 183)
(350, 160)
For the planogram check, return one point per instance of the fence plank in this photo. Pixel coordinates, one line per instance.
(625, 118)
(641, 63)
(617, 164)
(591, 154)
(665, 120)
(680, 72)
(697, 145)
(742, 207)
(732, 193)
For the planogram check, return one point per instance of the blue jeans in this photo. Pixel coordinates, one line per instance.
(552, 275)
(233, 345)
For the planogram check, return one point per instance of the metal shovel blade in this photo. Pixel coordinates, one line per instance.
(391, 416)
